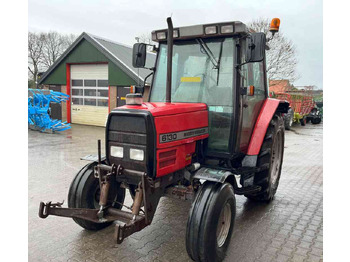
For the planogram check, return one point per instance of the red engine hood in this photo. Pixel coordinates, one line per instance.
(165, 109)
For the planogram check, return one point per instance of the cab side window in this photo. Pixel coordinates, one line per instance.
(258, 73)
(253, 75)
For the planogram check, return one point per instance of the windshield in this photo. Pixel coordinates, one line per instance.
(202, 72)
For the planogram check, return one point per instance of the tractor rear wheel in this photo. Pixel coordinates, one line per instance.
(84, 192)
(288, 119)
(211, 221)
(270, 156)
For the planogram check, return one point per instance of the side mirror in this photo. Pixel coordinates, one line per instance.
(256, 44)
(139, 52)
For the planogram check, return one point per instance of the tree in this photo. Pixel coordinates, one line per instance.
(68, 40)
(35, 54)
(44, 49)
(54, 46)
(281, 58)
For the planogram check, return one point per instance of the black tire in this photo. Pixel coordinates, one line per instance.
(84, 193)
(316, 120)
(288, 119)
(206, 238)
(270, 156)
(302, 121)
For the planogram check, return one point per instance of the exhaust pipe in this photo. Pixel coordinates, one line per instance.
(170, 60)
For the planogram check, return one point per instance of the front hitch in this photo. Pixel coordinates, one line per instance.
(44, 209)
(127, 223)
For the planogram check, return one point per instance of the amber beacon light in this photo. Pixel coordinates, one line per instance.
(275, 25)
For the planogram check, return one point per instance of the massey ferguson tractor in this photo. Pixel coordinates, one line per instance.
(207, 132)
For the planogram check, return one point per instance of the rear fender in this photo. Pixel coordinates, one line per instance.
(269, 108)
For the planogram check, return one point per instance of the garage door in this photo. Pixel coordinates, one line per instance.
(89, 87)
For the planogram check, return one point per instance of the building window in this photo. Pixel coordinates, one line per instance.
(89, 82)
(101, 92)
(77, 92)
(77, 82)
(102, 102)
(77, 101)
(90, 92)
(102, 83)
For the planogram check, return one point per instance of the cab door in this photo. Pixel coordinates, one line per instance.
(252, 75)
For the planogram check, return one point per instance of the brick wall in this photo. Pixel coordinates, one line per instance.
(112, 97)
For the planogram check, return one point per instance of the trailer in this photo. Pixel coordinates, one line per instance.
(302, 107)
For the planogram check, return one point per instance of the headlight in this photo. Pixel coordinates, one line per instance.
(161, 35)
(117, 151)
(136, 154)
(226, 29)
(176, 33)
(210, 30)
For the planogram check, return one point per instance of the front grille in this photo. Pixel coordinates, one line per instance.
(128, 124)
(129, 138)
(131, 129)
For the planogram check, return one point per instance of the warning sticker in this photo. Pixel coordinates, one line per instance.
(191, 79)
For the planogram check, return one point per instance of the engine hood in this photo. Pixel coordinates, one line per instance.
(165, 109)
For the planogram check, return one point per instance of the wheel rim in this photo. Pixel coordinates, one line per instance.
(291, 121)
(224, 225)
(276, 155)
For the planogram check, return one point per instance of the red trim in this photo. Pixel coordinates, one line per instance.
(267, 111)
(109, 98)
(69, 102)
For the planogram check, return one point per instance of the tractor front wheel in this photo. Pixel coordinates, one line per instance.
(84, 192)
(270, 158)
(210, 223)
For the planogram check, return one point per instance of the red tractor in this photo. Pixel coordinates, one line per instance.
(209, 131)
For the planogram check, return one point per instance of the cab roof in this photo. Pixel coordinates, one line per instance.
(194, 31)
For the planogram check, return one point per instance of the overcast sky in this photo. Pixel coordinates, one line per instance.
(122, 21)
